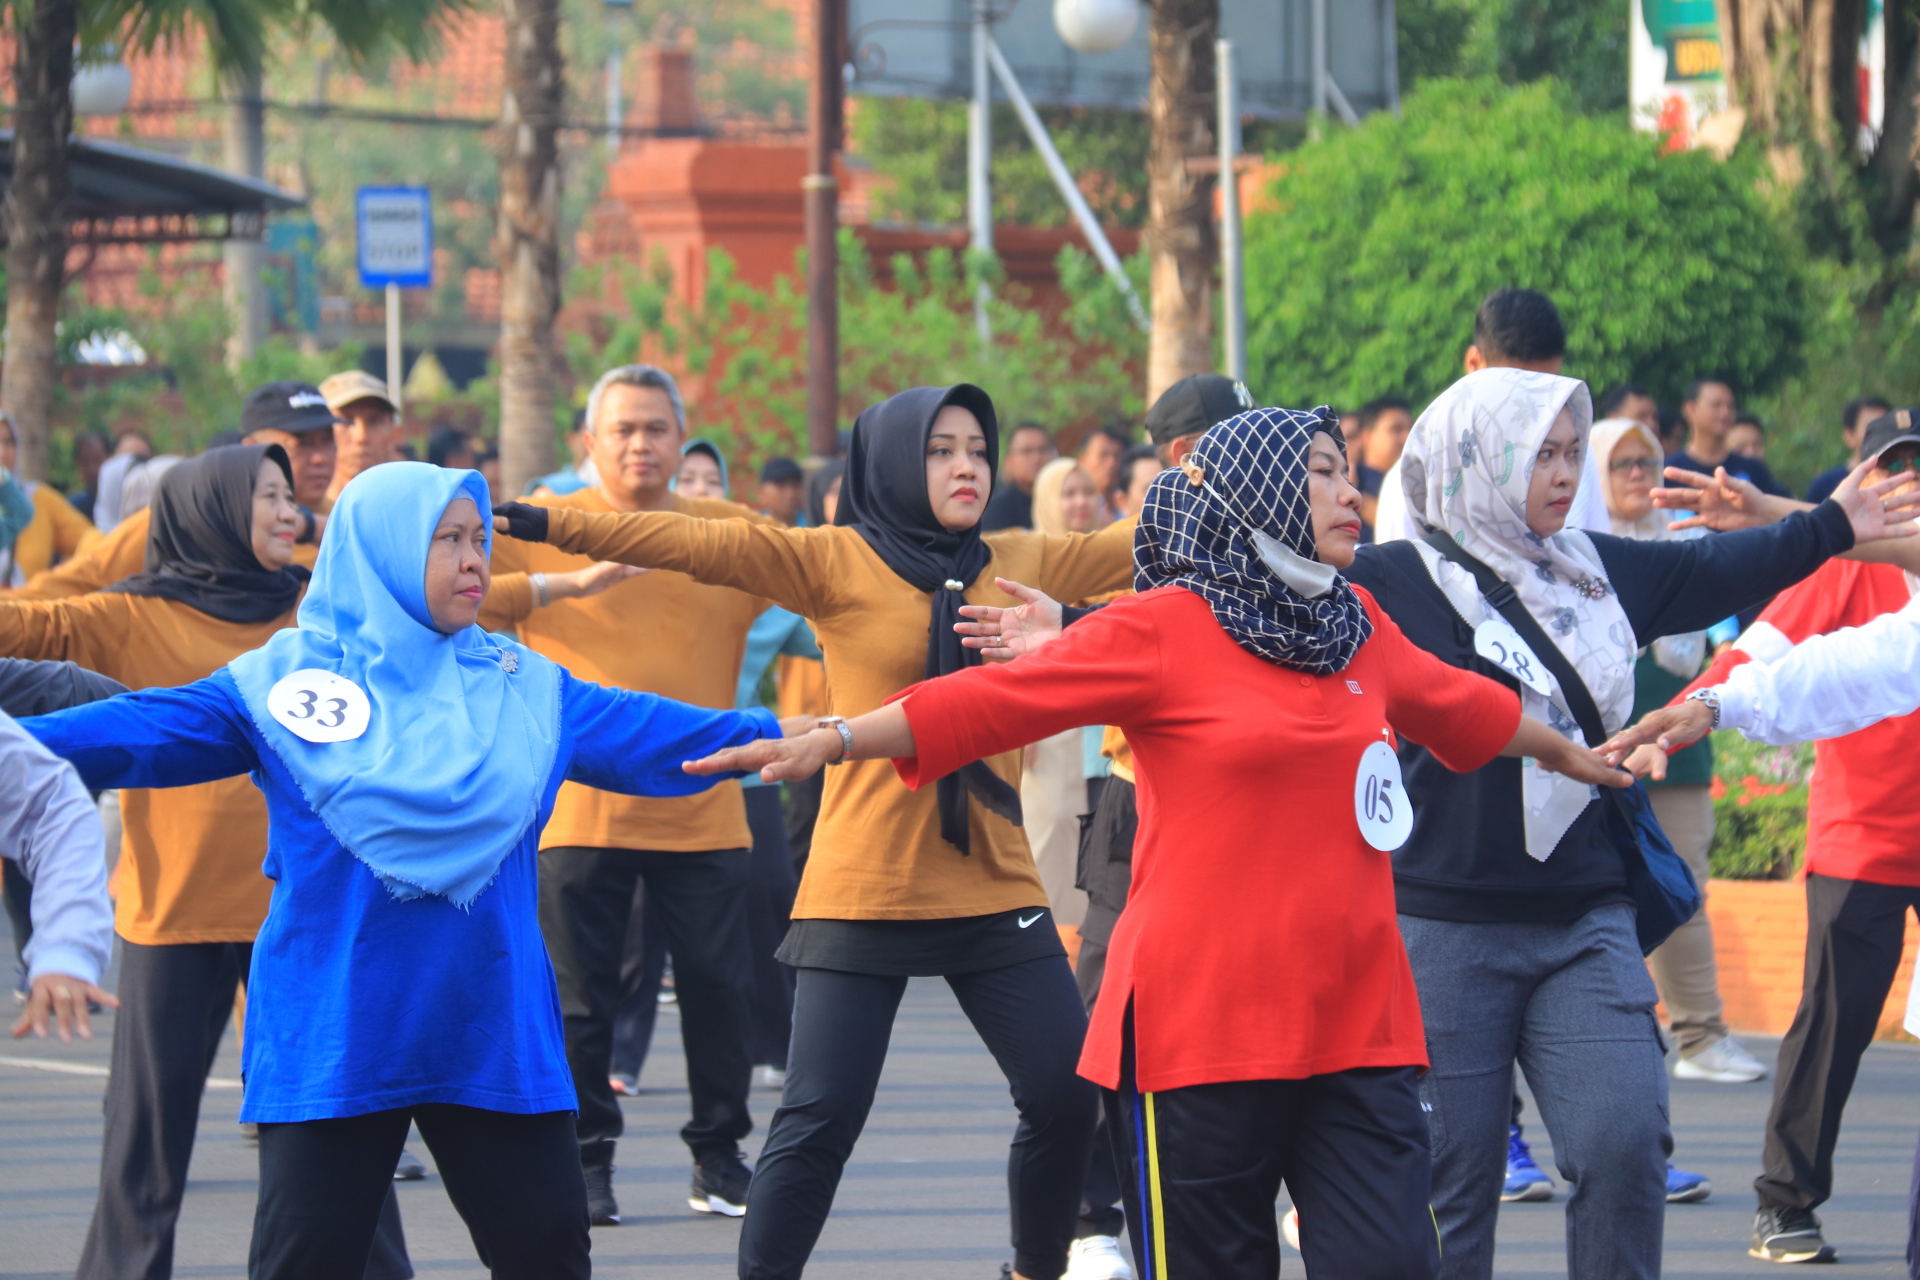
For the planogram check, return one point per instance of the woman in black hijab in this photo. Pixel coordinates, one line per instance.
(900, 883)
(219, 580)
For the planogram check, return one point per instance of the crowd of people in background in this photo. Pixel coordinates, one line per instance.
(1649, 552)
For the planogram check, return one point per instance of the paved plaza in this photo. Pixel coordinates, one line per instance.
(925, 1193)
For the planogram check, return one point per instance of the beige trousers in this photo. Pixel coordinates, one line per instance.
(1053, 795)
(1683, 965)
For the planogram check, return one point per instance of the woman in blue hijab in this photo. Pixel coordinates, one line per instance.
(409, 760)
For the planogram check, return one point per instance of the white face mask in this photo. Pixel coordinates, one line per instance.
(1310, 578)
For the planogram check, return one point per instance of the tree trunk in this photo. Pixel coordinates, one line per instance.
(36, 222)
(244, 260)
(1795, 63)
(527, 245)
(1180, 233)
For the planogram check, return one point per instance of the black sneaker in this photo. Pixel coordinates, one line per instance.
(602, 1209)
(1789, 1235)
(720, 1185)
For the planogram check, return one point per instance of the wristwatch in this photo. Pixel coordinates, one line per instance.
(1710, 696)
(846, 736)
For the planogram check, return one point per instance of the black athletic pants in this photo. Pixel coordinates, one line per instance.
(1208, 1161)
(1855, 931)
(515, 1180)
(174, 1005)
(586, 898)
(769, 911)
(1030, 1018)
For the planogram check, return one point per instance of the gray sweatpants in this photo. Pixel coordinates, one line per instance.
(1574, 1006)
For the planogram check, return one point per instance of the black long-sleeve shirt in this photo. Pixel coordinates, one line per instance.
(1467, 857)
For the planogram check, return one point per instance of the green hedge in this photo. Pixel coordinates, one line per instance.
(1375, 245)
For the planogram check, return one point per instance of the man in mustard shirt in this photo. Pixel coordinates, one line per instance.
(663, 633)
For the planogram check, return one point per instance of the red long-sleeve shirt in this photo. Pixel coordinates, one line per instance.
(1861, 802)
(1260, 940)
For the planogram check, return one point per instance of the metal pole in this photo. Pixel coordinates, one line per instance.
(979, 161)
(820, 194)
(1063, 179)
(613, 97)
(1233, 288)
(1320, 56)
(1390, 54)
(393, 348)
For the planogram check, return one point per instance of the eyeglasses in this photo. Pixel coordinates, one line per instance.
(1896, 466)
(1644, 466)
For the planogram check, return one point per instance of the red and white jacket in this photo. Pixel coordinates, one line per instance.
(1863, 811)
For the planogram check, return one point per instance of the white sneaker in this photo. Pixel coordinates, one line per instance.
(1722, 1062)
(1290, 1228)
(1097, 1258)
(767, 1076)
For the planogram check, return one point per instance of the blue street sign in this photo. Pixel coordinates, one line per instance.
(396, 237)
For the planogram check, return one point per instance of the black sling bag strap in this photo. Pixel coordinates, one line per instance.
(1659, 880)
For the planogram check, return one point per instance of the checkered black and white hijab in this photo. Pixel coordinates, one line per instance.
(1247, 474)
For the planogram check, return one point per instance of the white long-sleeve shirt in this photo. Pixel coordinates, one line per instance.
(1828, 686)
(51, 831)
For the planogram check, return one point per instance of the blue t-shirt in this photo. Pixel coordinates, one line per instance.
(1826, 482)
(358, 1002)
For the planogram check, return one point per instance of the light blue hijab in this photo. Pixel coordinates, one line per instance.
(448, 776)
(700, 444)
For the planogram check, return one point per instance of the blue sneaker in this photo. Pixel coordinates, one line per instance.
(1525, 1181)
(1684, 1187)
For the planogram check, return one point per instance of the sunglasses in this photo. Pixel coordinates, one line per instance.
(1898, 466)
(1644, 466)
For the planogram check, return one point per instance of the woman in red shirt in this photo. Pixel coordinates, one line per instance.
(1259, 1022)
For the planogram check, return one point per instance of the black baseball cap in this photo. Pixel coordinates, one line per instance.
(1195, 403)
(1902, 426)
(290, 406)
(781, 471)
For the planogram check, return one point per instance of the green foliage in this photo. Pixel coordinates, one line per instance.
(742, 352)
(1582, 43)
(1375, 246)
(1759, 808)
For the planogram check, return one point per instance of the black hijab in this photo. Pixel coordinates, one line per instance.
(884, 498)
(200, 544)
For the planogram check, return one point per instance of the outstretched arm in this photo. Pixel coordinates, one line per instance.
(154, 738)
(634, 743)
(1826, 687)
(760, 558)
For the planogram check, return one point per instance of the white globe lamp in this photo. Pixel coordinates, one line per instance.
(1096, 26)
(101, 88)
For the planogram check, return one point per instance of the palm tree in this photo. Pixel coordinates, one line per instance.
(527, 242)
(1180, 236)
(237, 33)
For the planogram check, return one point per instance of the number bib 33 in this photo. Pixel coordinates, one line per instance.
(1380, 803)
(320, 706)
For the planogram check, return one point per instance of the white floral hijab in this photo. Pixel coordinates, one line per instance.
(1466, 470)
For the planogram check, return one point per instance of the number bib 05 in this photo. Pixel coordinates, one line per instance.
(320, 706)
(1380, 803)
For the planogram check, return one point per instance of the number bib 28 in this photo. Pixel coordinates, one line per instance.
(1380, 803)
(320, 706)
(1497, 642)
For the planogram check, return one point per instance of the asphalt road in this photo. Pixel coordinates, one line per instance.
(925, 1193)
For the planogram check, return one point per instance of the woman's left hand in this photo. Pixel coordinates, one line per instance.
(1583, 764)
(776, 759)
